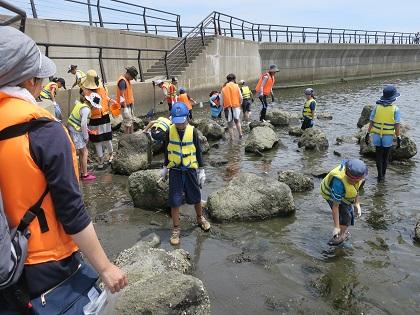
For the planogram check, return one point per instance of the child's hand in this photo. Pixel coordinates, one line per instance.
(358, 210)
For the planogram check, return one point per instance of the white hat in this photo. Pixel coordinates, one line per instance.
(94, 99)
(242, 82)
(157, 82)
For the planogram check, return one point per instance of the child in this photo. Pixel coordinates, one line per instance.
(309, 110)
(78, 127)
(215, 108)
(184, 163)
(49, 92)
(186, 99)
(247, 100)
(340, 188)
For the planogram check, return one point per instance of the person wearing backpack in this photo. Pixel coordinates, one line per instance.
(43, 205)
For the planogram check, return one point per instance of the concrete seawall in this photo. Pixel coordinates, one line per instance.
(300, 64)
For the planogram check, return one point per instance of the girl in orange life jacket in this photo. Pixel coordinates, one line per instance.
(186, 99)
(53, 254)
(264, 88)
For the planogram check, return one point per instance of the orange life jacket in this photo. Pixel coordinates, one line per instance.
(96, 112)
(231, 95)
(268, 84)
(128, 92)
(185, 99)
(23, 183)
(171, 98)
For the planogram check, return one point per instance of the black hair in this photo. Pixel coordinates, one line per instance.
(212, 93)
(231, 77)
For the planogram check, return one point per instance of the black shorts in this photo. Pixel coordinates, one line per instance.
(183, 184)
(157, 134)
(169, 106)
(307, 123)
(246, 106)
(346, 213)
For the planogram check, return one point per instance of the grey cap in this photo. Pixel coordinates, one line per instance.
(273, 68)
(21, 59)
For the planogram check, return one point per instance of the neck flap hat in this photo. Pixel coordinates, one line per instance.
(21, 59)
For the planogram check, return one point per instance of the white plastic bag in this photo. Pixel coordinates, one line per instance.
(96, 306)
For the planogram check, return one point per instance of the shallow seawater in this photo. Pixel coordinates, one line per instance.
(284, 265)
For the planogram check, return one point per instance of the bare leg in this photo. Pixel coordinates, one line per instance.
(198, 211)
(175, 217)
(83, 160)
(238, 127)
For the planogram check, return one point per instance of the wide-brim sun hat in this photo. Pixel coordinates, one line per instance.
(91, 81)
(94, 99)
(133, 72)
(273, 68)
(179, 113)
(389, 94)
(21, 59)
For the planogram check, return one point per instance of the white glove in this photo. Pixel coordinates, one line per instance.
(358, 210)
(201, 176)
(164, 172)
(336, 232)
(55, 104)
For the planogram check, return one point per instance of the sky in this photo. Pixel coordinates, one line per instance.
(375, 15)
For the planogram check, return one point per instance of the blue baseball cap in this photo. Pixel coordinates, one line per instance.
(182, 90)
(179, 113)
(356, 169)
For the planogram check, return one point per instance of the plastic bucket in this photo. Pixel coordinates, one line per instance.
(115, 110)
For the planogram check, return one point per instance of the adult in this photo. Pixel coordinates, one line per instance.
(49, 91)
(79, 131)
(100, 122)
(309, 108)
(125, 98)
(231, 100)
(264, 88)
(340, 188)
(384, 125)
(184, 163)
(79, 75)
(247, 100)
(41, 166)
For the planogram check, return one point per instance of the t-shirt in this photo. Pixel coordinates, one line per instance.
(312, 106)
(337, 190)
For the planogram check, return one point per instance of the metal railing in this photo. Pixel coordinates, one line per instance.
(20, 15)
(227, 25)
(108, 13)
(101, 56)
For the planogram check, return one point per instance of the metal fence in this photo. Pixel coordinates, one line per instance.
(101, 53)
(20, 16)
(116, 14)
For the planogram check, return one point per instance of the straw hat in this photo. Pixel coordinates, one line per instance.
(91, 81)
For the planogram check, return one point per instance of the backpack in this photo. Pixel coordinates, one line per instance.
(14, 242)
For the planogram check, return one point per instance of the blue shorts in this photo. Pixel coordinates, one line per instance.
(384, 141)
(346, 213)
(183, 185)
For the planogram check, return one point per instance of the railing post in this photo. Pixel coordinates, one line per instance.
(185, 50)
(393, 38)
(269, 33)
(216, 32)
(385, 38)
(202, 33)
(330, 37)
(98, 7)
(344, 36)
(287, 34)
(33, 7)
(156, 31)
(259, 34)
(218, 24)
(253, 35)
(317, 35)
(178, 25)
(146, 30)
(166, 65)
(277, 35)
(376, 37)
(243, 31)
(303, 35)
(355, 40)
(230, 25)
(101, 66)
(47, 50)
(89, 13)
(140, 68)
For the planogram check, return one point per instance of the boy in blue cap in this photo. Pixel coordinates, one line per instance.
(340, 188)
(184, 163)
(384, 124)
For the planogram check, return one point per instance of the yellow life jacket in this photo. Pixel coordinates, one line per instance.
(384, 120)
(182, 154)
(307, 109)
(46, 90)
(350, 191)
(75, 119)
(162, 123)
(246, 92)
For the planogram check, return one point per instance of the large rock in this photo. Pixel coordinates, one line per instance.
(255, 123)
(209, 128)
(278, 117)
(407, 150)
(324, 116)
(133, 154)
(313, 139)
(138, 124)
(261, 139)
(365, 115)
(250, 197)
(295, 131)
(147, 190)
(158, 283)
(205, 146)
(296, 181)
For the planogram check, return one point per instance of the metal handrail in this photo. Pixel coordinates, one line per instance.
(100, 57)
(145, 14)
(21, 15)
